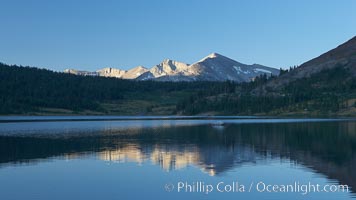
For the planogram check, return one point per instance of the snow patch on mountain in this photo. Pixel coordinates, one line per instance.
(262, 70)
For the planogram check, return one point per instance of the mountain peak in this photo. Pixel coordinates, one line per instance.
(172, 64)
(168, 62)
(213, 55)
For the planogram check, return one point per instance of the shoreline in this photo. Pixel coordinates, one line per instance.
(73, 118)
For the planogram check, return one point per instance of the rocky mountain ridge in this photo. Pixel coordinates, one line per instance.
(214, 67)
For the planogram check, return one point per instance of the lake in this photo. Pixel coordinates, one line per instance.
(169, 157)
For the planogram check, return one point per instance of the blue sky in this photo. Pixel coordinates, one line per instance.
(89, 35)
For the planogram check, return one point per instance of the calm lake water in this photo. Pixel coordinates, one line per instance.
(121, 158)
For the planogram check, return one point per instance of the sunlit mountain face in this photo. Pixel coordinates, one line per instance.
(327, 148)
(214, 67)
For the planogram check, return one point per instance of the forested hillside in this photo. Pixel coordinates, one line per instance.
(326, 93)
(26, 90)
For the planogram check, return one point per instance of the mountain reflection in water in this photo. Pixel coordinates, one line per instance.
(326, 147)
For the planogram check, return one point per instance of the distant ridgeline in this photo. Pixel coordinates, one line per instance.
(214, 67)
(325, 85)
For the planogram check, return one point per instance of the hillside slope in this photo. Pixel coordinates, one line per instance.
(343, 56)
